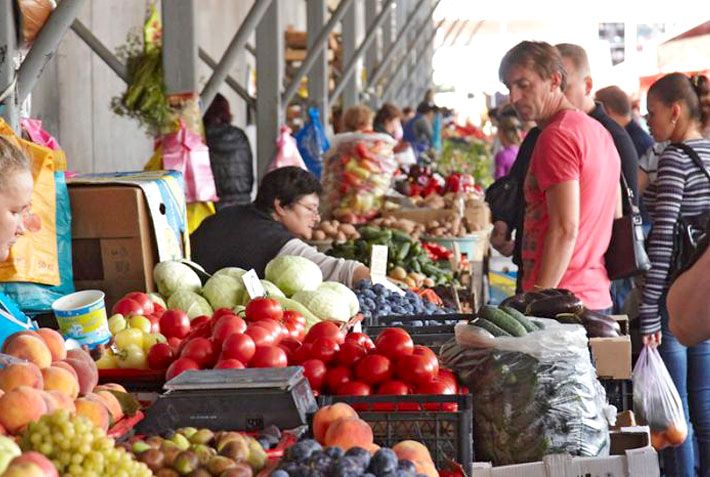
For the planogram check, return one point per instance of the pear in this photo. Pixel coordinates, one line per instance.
(219, 464)
(257, 455)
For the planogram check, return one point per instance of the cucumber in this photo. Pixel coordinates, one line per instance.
(520, 318)
(502, 320)
(490, 327)
(399, 236)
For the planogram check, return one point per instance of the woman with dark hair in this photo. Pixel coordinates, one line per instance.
(230, 155)
(702, 87)
(682, 190)
(284, 214)
(387, 120)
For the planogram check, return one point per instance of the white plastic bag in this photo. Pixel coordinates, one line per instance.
(656, 400)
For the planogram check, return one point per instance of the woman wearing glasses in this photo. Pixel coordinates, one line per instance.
(284, 214)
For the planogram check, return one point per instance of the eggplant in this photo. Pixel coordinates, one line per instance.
(551, 306)
(516, 301)
(599, 325)
(556, 292)
(568, 318)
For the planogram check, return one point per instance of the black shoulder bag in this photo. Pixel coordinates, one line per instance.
(690, 238)
(626, 255)
(503, 198)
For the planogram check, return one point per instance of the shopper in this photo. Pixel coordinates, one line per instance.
(702, 86)
(618, 106)
(510, 135)
(358, 119)
(230, 155)
(387, 120)
(276, 223)
(682, 189)
(418, 131)
(570, 201)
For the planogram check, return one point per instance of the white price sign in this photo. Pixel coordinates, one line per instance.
(378, 263)
(253, 285)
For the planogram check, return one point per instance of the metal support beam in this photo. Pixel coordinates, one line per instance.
(100, 49)
(389, 55)
(269, 80)
(319, 44)
(373, 54)
(229, 58)
(410, 47)
(8, 45)
(316, 11)
(179, 46)
(458, 33)
(449, 31)
(229, 80)
(45, 45)
(369, 36)
(349, 29)
(474, 31)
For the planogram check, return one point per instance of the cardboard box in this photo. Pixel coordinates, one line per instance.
(626, 438)
(478, 215)
(634, 463)
(612, 356)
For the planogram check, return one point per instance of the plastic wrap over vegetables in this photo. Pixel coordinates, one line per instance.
(533, 395)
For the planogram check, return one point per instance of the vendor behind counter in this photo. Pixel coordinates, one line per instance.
(284, 214)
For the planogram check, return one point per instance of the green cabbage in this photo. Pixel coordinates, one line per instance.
(223, 291)
(289, 304)
(346, 293)
(293, 274)
(234, 272)
(189, 302)
(326, 304)
(271, 291)
(172, 276)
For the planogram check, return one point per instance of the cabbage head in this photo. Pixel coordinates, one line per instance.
(189, 302)
(223, 291)
(325, 304)
(234, 272)
(346, 293)
(172, 276)
(271, 290)
(293, 274)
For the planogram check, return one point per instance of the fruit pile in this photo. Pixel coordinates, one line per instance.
(376, 301)
(198, 452)
(15, 463)
(353, 364)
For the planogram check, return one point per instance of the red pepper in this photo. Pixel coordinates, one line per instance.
(362, 150)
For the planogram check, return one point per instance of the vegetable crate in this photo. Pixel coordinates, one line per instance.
(427, 330)
(443, 423)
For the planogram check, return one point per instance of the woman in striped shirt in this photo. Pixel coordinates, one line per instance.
(682, 189)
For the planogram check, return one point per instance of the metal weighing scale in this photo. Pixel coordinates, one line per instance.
(232, 400)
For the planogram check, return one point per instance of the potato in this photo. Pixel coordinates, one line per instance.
(410, 282)
(428, 282)
(318, 235)
(340, 237)
(433, 224)
(348, 229)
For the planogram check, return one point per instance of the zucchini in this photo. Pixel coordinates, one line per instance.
(520, 318)
(489, 327)
(502, 320)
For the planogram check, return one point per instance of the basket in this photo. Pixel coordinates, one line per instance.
(446, 433)
(431, 335)
(473, 245)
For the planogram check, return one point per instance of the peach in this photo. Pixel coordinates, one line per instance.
(21, 406)
(15, 335)
(111, 403)
(62, 401)
(325, 416)
(54, 341)
(67, 366)
(349, 432)
(110, 387)
(88, 376)
(3, 431)
(59, 379)
(39, 460)
(23, 469)
(94, 410)
(78, 353)
(20, 374)
(30, 348)
(412, 450)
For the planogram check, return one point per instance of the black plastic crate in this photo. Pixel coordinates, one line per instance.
(428, 334)
(446, 433)
(619, 393)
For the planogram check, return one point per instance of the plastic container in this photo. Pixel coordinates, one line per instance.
(82, 316)
(428, 330)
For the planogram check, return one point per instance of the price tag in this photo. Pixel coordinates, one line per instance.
(378, 263)
(253, 285)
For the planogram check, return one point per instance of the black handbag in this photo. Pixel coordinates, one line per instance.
(626, 255)
(503, 198)
(690, 237)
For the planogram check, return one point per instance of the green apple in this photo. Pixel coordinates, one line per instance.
(116, 323)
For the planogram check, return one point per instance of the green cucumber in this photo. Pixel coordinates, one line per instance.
(520, 318)
(502, 320)
(399, 236)
(490, 327)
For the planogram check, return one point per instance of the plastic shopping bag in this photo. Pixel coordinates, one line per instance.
(313, 143)
(185, 152)
(656, 400)
(33, 129)
(286, 151)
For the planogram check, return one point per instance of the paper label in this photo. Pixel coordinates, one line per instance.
(253, 285)
(378, 263)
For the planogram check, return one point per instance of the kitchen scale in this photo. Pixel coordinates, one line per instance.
(232, 400)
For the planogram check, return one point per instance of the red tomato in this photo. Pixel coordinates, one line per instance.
(158, 309)
(416, 369)
(324, 349)
(393, 343)
(229, 364)
(160, 356)
(127, 307)
(274, 327)
(227, 325)
(350, 353)
(154, 323)
(296, 317)
(290, 343)
(269, 357)
(373, 369)
(325, 329)
(296, 326)
(362, 339)
(448, 377)
(289, 354)
(264, 309)
(198, 320)
(174, 323)
(238, 346)
(354, 388)
(335, 377)
(302, 353)
(396, 388)
(201, 351)
(220, 312)
(435, 387)
(174, 343)
(314, 370)
(143, 300)
(180, 365)
(261, 336)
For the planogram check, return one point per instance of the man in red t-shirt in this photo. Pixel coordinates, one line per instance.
(570, 203)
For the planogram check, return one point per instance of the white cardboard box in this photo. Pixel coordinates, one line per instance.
(641, 462)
